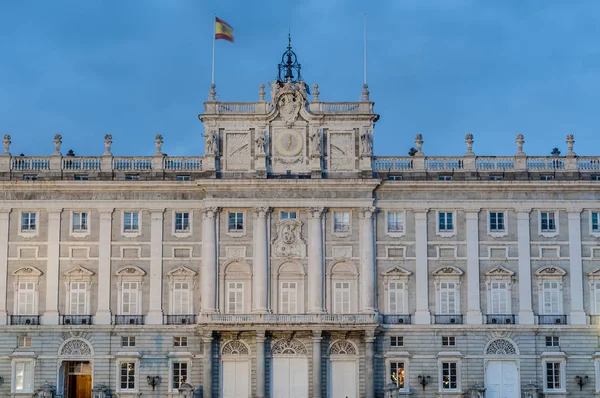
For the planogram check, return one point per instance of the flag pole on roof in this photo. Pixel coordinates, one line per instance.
(221, 31)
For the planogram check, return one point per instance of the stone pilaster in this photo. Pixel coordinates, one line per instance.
(525, 311)
(577, 315)
(368, 285)
(50, 316)
(260, 268)
(4, 225)
(260, 364)
(369, 364)
(155, 313)
(209, 260)
(316, 270)
(473, 288)
(422, 314)
(207, 364)
(316, 363)
(103, 314)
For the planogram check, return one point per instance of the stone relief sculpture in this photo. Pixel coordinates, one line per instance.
(366, 142)
(288, 241)
(261, 143)
(211, 143)
(289, 106)
(315, 143)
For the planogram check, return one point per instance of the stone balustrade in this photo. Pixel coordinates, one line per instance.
(289, 318)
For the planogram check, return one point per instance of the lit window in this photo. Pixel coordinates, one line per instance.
(180, 341)
(131, 221)
(235, 222)
(445, 222)
(496, 222)
(80, 221)
(449, 376)
(28, 222)
(128, 341)
(287, 215)
(548, 221)
(397, 374)
(341, 221)
(182, 222)
(395, 222)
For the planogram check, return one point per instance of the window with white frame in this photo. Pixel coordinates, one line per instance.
(449, 376)
(341, 297)
(78, 298)
(595, 296)
(181, 298)
(130, 291)
(23, 375)
(396, 297)
(496, 221)
(341, 221)
(397, 370)
(235, 297)
(179, 374)
(26, 298)
(595, 222)
(127, 375)
(288, 215)
(235, 221)
(79, 222)
(131, 221)
(128, 341)
(551, 298)
(28, 222)
(548, 221)
(180, 341)
(182, 222)
(499, 297)
(395, 222)
(448, 298)
(445, 221)
(396, 341)
(288, 294)
(554, 374)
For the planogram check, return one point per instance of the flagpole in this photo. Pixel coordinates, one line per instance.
(213, 48)
(365, 50)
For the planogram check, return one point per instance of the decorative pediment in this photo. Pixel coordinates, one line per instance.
(130, 271)
(79, 272)
(288, 241)
(551, 271)
(594, 274)
(499, 272)
(28, 271)
(447, 271)
(397, 271)
(182, 272)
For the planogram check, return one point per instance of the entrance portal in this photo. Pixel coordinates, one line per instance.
(78, 379)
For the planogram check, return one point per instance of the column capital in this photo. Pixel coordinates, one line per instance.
(523, 214)
(261, 211)
(210, 211)
(369, 336)
(54, 214)
(315, 212)
(421, 214)
(106, 212)
(317, 336)
(260, 336)
(366, 212)
(574, 214)
(472, 214)
(207, 337)
(157, 214)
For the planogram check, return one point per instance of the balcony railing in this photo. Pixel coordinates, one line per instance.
(500, 319)
(25, 320)
(397, 319)
(448, 319)
(552, 319)
(129, 319)
(76, 319)
(181, 319)
(290, 318)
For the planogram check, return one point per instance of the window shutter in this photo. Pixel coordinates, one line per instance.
(78, 298)
(26, 297)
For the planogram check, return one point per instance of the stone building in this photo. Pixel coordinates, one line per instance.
(288, 261)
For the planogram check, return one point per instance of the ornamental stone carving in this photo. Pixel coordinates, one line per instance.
(211, 143)
(367, 212)
(75, 348)
(107, 144)
(235, 347)
(261, 211)
(261, 143)
(342, 347)
(501, 347)
(288, 348)
(366, 142)
(289, 107)
(315, 212)
(288, 241)
(210, 212)
(315, 143)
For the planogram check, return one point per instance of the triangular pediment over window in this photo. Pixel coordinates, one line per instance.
(130, 270)
(79, 271)
(396, 271)
(551, 271)
(28, 271)
(182, 271)
(499, 271)
(447, 270)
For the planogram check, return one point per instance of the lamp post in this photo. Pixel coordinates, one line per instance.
(153, 381)
(46, 391)
(100, 391)
(581, 381)
(530, 390)
(186, 390)
(424, 380)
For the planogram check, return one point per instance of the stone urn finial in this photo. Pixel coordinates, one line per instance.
(6, 142)
(107, 144)
(316, 92)
(570, 142)
(212, 94)
(469, 142)
(365, 93)
(57, 142)
(419, 143)
(520, 142)
(261, 93)
(159, 143)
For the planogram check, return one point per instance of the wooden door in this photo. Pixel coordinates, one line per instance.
(80, 386)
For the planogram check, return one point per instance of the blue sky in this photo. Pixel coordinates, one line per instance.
(442, 68)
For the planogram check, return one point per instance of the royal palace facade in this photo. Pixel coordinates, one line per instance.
(288, 261)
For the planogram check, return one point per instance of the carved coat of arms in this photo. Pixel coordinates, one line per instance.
(288, 242)
(289, 107)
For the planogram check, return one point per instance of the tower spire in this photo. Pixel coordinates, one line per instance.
(289, 68)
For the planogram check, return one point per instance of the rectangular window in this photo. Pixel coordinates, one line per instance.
(289, 298)
(448, 298)
(78, 298)
(500, 296)
(449, 376)
(445, 223)
(395, 222)
(396, 341)
(23, 376)
(180, 341)
(546, 178)
(30, 177)
(548, 221)
(552, 341)
(396, 298)
(397, 373)
(180, 374)
(127, 382)
(24, 341)
(236, 222)
(496, 222)
(341, 221)
(235, 294)
(341, 292)
(288, 215)
(597, 298)
(182, 222)
(80, 221)
(128, 341)
(445, 178)
(595, 226)
(129, 298)
(448, 341)
(595, 177)
(28, 222)
(182, 178)
(495, 178)
(551, 298)
(81, 177)
(553, 381)
(181, 298)
(131, 221)
(132, 177)
(25, 298)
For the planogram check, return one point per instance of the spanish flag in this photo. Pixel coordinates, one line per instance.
(223, 30)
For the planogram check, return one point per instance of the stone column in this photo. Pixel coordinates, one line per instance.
(103, 314)
(422, 314)
(260, 364)
(474, 291)
(316, 270)
(4, 225)
(155, 313)
(369, 354)
(577, 315)
(368, 284)
(207, 364)
(260, 267)
(525, 312)
(316, 363)
(209, 260)
(52, 268)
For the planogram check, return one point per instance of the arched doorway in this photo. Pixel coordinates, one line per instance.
(290, 369)
(502, 369)
(75, 368)
(235, 359)
(343, 374)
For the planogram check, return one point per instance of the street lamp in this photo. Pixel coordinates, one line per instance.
(46, 391)
(186, 390)
(153, 381)
(424, 380)
(100, 391)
